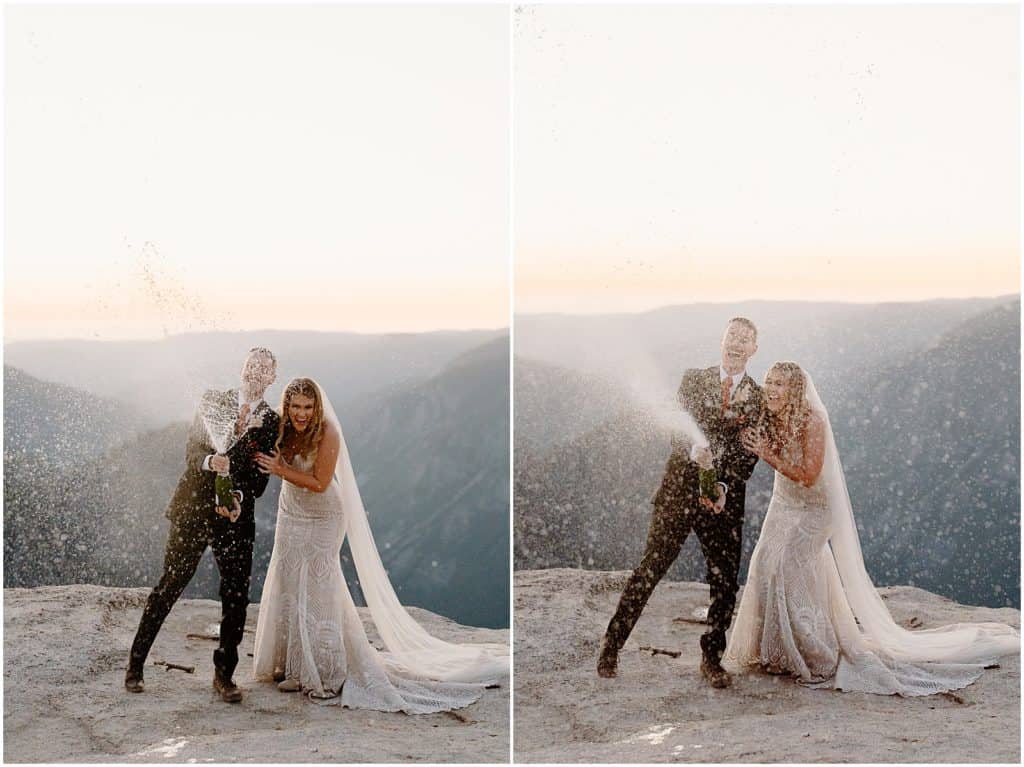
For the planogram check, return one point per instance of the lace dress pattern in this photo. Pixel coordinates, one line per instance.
(794, 617)
(308, 624)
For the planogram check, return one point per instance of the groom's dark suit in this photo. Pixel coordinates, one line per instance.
(677, 509)
(195, 525)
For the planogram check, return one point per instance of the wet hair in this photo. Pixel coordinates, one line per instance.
(792, 420)
(308, 440)
(264, 350)
(745, 323)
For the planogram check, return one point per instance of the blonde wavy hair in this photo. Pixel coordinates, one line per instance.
(791, 421)
(309, 439)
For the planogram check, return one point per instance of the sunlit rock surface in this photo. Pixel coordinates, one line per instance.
(659, 709)
(65, 649)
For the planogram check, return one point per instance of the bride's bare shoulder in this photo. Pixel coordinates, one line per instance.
(814, 430)
(331, 435)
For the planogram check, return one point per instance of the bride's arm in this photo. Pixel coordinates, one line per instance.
(805, 471)
(317, 480)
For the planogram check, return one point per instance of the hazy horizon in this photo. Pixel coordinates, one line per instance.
(866, 302)
(244, 331)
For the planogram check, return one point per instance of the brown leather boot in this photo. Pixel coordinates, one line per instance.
(717, 676)
(607, 660)
(229, 691)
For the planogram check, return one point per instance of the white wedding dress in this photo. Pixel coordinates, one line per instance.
(309, 627)
(809, 608)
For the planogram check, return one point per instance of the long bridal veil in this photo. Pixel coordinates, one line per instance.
(410, 648)
(961, 643)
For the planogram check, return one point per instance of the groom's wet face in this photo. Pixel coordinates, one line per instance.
(259, 370)
(738, 345)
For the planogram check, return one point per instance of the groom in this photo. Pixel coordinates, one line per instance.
(722, 399)
(197, 521)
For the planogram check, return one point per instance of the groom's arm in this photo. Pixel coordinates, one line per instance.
(689, 394)
(198, 450)
(197, 446)
(692, 397)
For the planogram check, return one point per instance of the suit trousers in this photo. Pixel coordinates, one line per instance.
(720, 536)
(187, 539)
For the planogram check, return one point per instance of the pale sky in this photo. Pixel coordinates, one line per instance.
(173, 168)
(674, 154)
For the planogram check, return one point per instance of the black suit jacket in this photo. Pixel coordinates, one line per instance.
(195, 496)
(700, 393)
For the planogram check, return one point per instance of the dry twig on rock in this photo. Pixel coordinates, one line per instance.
(214, 637)
(697, 615)
(169, 666)
(659, 651)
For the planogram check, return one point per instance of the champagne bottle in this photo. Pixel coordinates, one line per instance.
(707, 476)
(223, 486)
(709, 483)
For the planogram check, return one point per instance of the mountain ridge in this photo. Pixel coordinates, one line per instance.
(111, 505)
(585, 502)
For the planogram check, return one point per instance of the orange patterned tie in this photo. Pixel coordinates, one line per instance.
(726, 391)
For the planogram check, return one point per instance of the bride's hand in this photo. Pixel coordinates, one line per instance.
(269, 464)
(753, 441)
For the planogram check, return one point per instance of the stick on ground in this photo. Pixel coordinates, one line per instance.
(169, 666)
(659, 651)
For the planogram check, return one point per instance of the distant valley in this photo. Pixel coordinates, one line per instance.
(88, 476)
(924, 401)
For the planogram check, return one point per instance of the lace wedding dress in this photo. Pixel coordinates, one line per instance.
(810, 609)
(309, 627)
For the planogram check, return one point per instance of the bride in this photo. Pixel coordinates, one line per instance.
(809, 608)
(309, 636)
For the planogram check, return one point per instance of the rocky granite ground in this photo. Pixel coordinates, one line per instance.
(64, 656)
(660, 710)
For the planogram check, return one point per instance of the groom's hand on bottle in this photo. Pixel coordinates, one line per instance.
(716, 506)
(234, 513)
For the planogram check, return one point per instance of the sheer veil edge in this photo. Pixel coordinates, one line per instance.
(964, 643)
(410, 648)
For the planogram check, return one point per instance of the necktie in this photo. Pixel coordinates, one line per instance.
(726, 391)
(243, 418)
